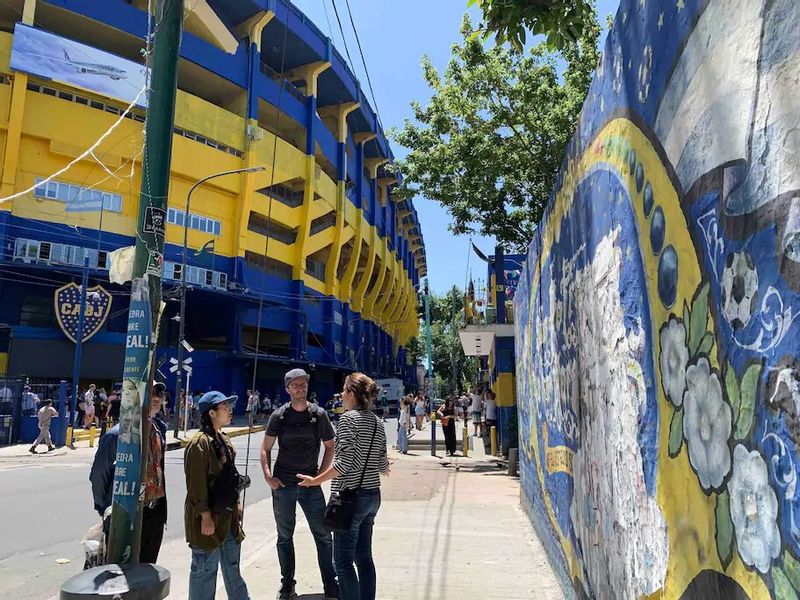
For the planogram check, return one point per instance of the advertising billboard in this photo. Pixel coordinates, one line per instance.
(47, 55)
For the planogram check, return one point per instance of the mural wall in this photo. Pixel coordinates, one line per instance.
(658, 338)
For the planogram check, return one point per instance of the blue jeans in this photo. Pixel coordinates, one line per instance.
(312, 501)
(203, 574)
(402, 438)
(355, 546)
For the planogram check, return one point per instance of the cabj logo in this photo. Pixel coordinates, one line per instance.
(68, 308)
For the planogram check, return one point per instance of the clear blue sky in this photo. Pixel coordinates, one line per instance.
(394, 36)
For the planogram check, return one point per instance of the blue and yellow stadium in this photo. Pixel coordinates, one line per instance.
(311, 262)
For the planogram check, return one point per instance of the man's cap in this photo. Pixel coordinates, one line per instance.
(295, 374)
(211, 400)
(158, 388)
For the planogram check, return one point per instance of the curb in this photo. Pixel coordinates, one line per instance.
(182, 443)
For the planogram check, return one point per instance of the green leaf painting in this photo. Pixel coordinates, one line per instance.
(748, 391)
(791, 569)
(698, 320)
(676, 433)
(706, 343)
(686, 317)
(783, 589)
(732, 387)
(724, 529)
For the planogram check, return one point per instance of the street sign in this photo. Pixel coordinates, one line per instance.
(174, 362)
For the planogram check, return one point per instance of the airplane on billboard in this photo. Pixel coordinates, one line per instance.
(95, 68)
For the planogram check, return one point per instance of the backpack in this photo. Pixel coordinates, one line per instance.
(313, 413)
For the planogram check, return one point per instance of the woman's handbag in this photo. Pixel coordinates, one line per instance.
(341, 505)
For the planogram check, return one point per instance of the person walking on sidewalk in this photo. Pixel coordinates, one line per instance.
(213, 512)
(154, 514)
(447, 413)
(403, 420)
(45, 414)
(490, 410)
(299, 427)
(359, 460)
(477, 409)
(419, 410)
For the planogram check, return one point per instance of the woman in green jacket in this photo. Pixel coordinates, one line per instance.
(213, 512)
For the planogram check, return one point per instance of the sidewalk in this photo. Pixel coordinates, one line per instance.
(446, 529)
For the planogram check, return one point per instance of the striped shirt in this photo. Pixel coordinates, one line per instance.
(353, 435)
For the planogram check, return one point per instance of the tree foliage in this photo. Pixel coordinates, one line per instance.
(562, 21)
(446, 350)
(489, 143)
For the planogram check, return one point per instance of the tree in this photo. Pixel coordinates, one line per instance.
(447, 355)
(490, 141)
(562, 21)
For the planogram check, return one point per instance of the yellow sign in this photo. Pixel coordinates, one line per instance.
(558, 459)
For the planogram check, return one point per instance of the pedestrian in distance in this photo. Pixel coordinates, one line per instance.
(45, 414)
(490, 416)
(359, 459)
(419, 410)
(30, 402)
(447, 414)
(403, 421)
(154, 513)
(213, 510)
(299, 427)
(88, 406)
(477, 410)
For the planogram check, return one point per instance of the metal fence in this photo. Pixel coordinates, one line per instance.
(21, 398)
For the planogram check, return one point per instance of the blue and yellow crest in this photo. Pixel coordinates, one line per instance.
(68, 304)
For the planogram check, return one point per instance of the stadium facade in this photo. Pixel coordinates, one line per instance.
(311, 262)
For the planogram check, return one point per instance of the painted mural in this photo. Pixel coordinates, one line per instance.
(658, 314)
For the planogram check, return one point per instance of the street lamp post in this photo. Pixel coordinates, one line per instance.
(181, 322)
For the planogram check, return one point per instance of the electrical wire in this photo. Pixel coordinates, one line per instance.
(363, 60)
(341, 30)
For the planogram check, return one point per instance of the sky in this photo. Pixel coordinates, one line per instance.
(394, 36)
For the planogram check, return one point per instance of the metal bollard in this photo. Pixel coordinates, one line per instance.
(91, 435)
(465, 441)
(493, 437)
(513, 459)
(69, 436)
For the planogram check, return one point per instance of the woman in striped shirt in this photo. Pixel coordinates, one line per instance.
(360, 448)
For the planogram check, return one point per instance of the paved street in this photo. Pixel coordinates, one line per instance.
(443, 531)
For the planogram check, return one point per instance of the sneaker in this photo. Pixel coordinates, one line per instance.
(332, 592)
(286, 593)
(32, 450)
(51, 448)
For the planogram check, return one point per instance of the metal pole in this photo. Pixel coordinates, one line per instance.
(181, 325)
(145, 308)
(186, 405)
(76, 366)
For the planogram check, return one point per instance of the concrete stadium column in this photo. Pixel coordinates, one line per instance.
(249, 181)
(309, 74)
(16, 115)
(339, 112)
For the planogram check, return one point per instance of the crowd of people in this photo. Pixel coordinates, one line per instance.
(355, 457)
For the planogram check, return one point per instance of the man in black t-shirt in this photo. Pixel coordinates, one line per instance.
(299, 427)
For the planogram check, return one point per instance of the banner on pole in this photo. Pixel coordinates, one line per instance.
(135, 385)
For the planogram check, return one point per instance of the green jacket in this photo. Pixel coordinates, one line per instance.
(201, 465)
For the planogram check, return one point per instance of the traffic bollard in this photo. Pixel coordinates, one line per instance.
(465, 441)
(69, 436)
(91, 436)
(493, 437)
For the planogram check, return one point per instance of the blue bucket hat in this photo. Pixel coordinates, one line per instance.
(211, 400)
